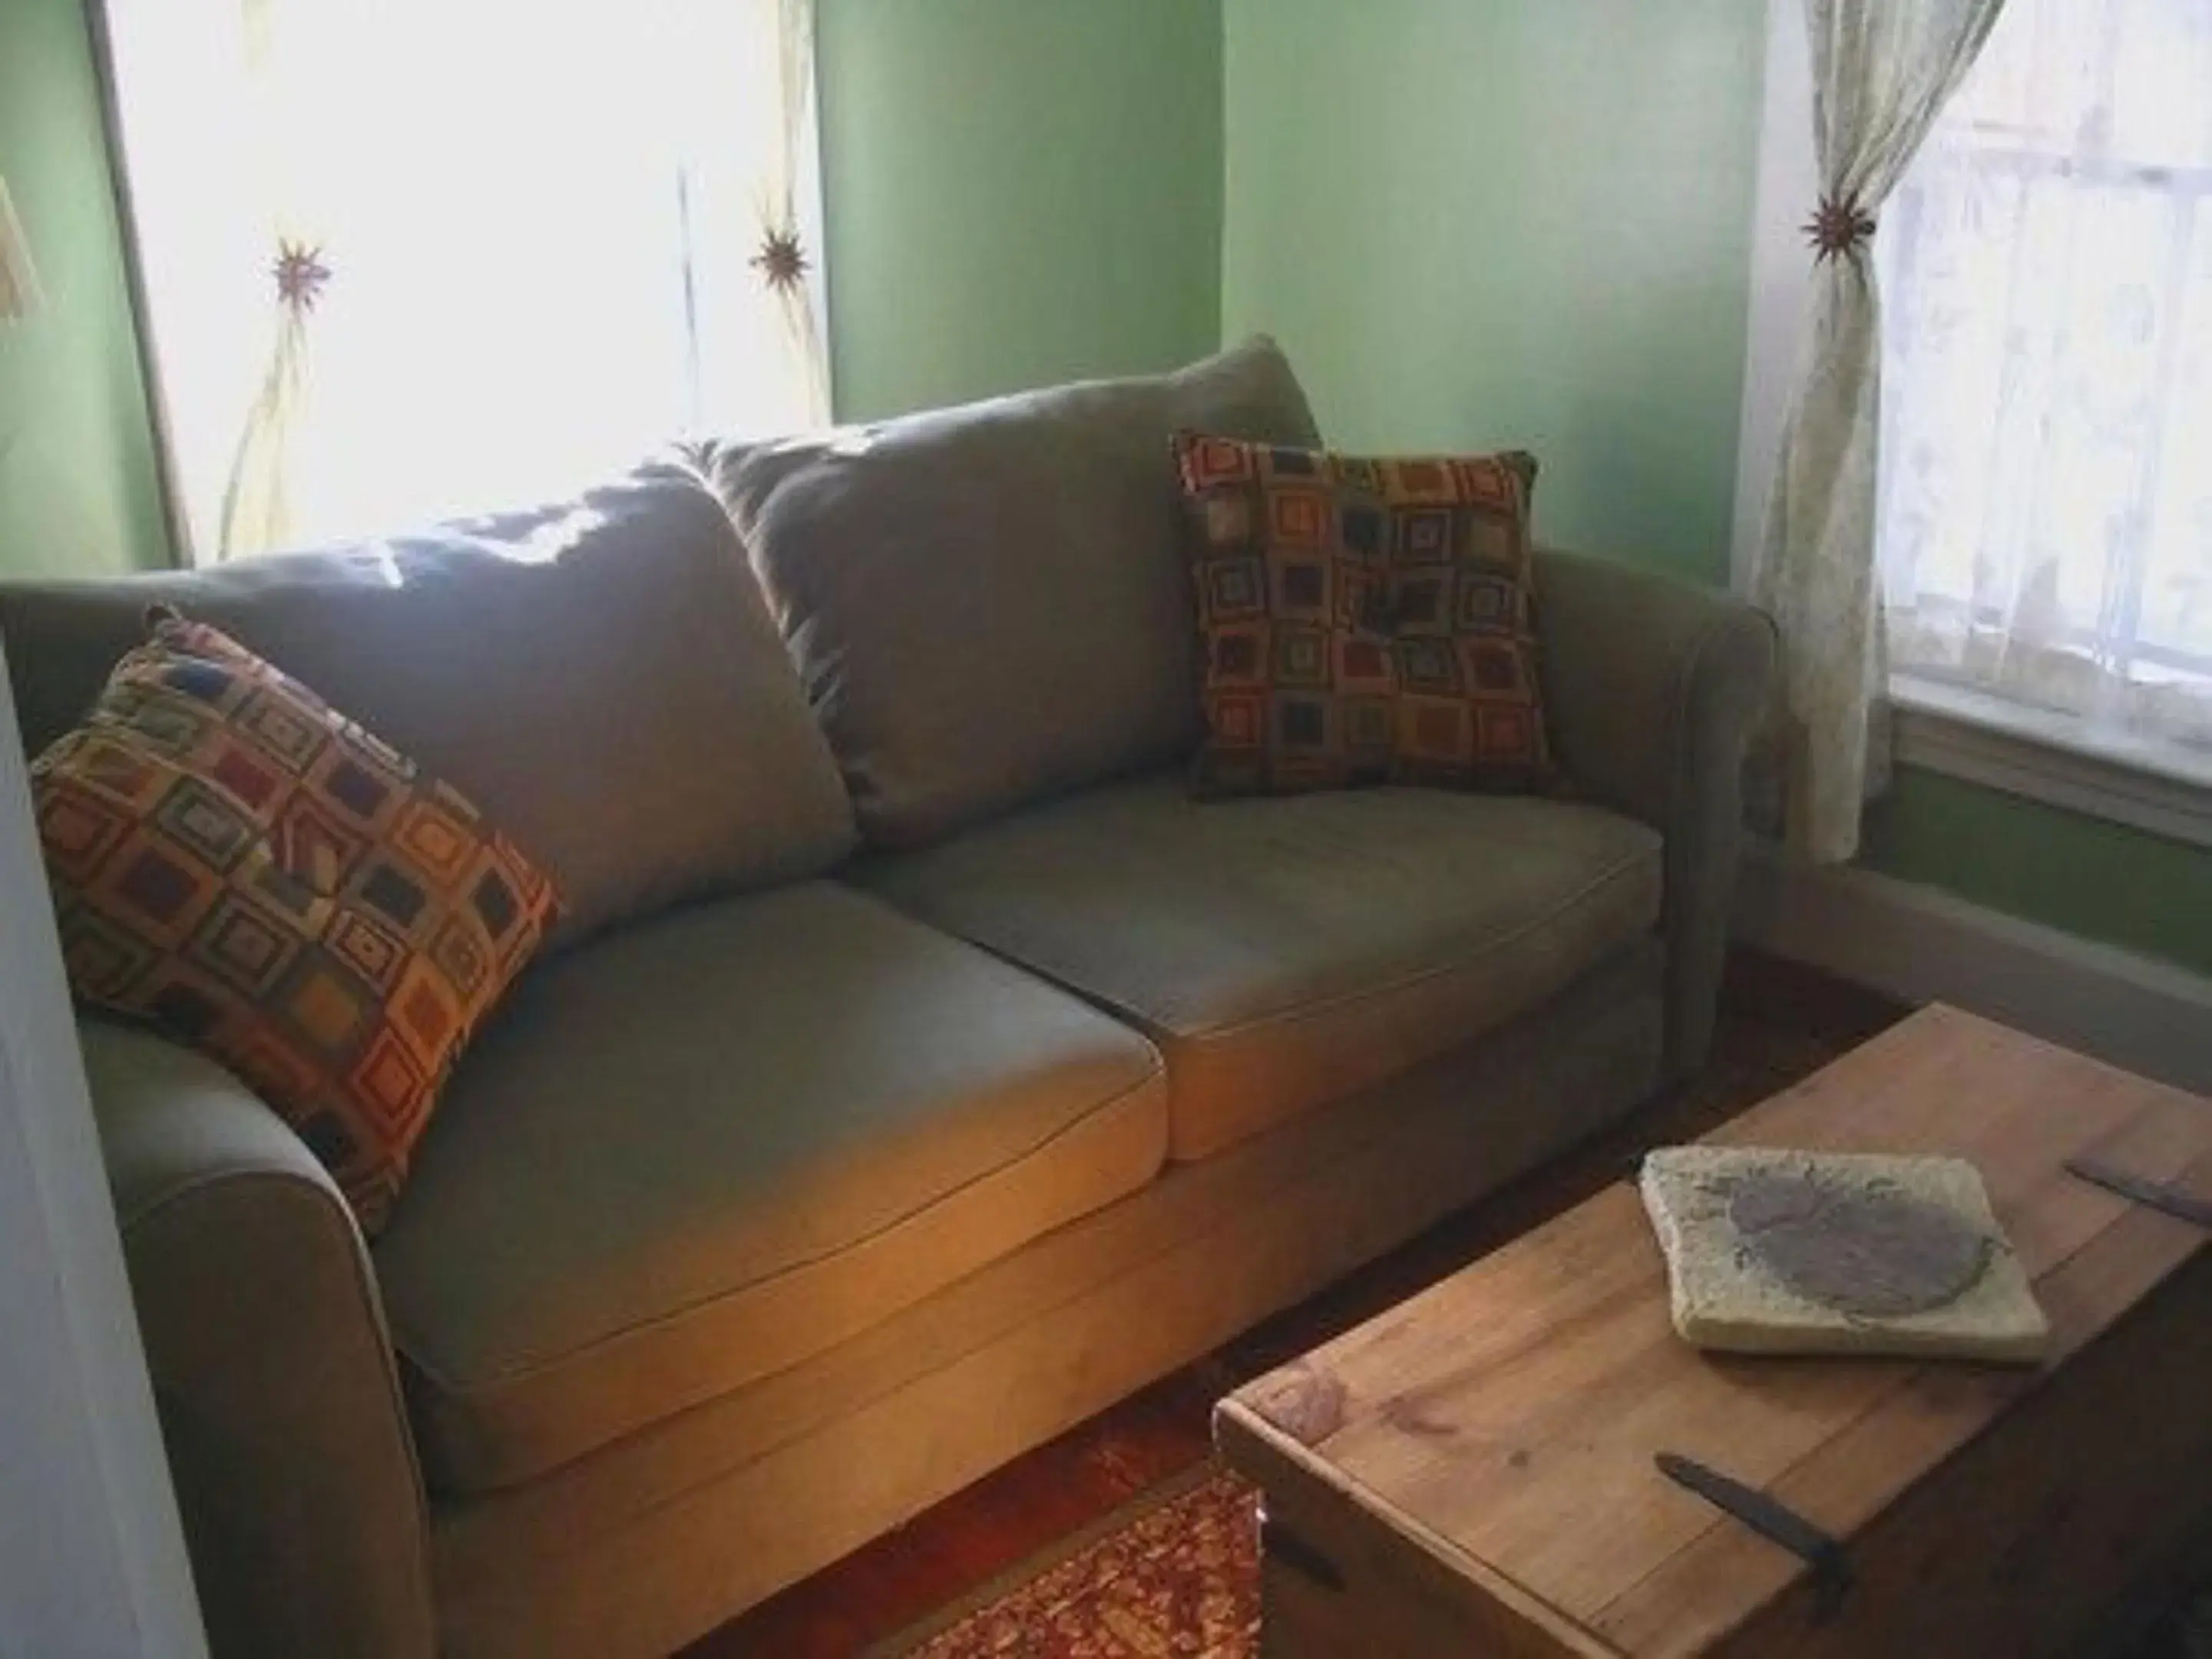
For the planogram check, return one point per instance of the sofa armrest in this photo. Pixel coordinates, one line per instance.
(1652, 689)
(294, 1468)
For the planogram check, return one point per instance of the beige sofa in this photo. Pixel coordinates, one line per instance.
(920, 1069)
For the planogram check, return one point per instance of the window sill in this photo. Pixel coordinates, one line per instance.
(2043, 758)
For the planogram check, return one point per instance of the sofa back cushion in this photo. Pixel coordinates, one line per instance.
(990, 604)
(600, 677)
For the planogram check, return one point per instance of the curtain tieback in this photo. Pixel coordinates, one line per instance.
(782, 261)
(301, 275)
(1840, 224)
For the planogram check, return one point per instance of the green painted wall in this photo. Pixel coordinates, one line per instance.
(77, 488)
(2103, 881)
(1019, 191)
(1472, 222)
(1483, 223)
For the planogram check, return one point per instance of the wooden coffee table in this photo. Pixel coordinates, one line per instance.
(1471, 1473)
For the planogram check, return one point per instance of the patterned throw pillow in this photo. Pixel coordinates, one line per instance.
(1363, 621)
(236, 863)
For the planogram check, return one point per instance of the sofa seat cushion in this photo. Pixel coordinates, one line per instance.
(701, 1149)
(1285, 951)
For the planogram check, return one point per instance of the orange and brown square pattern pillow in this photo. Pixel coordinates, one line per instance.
(1363, 621)
(243, 867)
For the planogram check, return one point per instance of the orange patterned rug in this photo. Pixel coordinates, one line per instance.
(1175, 1575)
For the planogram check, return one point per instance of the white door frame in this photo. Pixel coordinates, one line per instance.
(92, 1559)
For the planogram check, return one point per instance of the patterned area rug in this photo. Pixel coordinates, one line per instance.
(1175, 1575)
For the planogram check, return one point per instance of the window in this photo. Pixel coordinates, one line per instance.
(521, 244)
(2045, 511)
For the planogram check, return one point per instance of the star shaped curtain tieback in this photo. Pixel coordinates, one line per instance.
(1840, 226)
(781, 261)
(301, 275)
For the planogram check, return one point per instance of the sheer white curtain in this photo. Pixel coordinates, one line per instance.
(413, 258)
(2046, 499)
(1881, 73)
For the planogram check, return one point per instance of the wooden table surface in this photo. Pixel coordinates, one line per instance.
(1497, 1431)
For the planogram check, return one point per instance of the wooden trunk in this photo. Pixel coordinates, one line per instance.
(1471, 1473)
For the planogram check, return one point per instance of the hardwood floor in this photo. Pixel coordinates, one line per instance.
(1778, 1022)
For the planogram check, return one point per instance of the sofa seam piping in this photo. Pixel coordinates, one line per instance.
(506, 1379)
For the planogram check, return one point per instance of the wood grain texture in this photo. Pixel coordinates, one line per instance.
(1505, 1420)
